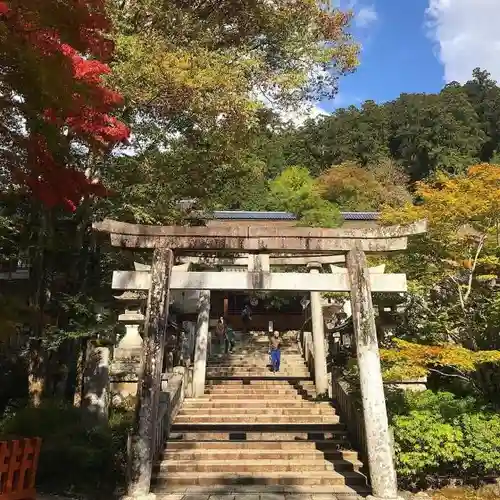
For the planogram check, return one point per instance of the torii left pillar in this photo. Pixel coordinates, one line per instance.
(149, 385)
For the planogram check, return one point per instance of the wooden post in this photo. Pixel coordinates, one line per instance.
(96, 382)
(378, 440)
(149, 384)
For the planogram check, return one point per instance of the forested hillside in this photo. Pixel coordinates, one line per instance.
(378, 150)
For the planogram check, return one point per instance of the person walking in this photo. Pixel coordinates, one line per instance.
(221, 331)
(230, 340)
(246, 317)
(275, 352)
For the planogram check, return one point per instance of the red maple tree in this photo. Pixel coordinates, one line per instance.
(53, 56)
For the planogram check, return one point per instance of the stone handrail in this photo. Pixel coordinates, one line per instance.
(171, 398)
(351, 415)
(342, 400)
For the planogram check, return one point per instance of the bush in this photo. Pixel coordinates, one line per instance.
(439, 434)
(77, 455)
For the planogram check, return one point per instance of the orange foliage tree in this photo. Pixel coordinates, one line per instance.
(454, 266)
(353, 187)
(406, 360)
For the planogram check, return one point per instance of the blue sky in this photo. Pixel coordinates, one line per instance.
(418, 45)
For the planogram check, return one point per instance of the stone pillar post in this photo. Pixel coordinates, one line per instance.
(96, 382)
(143, 446)
(378, 441)
(318, 328)
(259, 262)
(201, 348)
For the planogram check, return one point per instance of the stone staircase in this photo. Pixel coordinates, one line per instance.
(258, 432)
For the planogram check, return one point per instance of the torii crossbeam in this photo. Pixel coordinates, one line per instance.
(247, 238)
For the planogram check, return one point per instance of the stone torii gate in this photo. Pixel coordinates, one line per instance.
(260, 242)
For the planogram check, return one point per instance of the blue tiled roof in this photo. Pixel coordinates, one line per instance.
(360, 215)
(249, 215)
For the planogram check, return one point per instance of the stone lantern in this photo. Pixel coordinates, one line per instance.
(133, 319)
(127, 355)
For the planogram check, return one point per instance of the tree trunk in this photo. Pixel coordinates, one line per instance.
(38, 298)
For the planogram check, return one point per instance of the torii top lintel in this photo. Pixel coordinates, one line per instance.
(248, 238)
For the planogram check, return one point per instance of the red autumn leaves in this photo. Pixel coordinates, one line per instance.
(54, 59)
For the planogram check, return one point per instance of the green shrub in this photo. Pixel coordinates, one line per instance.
(77, 455)
(482, 435)
(439, 434)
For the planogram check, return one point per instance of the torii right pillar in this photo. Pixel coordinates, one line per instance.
(378, 441)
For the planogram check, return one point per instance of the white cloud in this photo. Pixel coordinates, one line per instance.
(467, 36)
(365, 16)
(301, 112)
(299, 116)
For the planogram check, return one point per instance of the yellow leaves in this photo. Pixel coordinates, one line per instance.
(218, 50)
(463, 213)
(148, 72)
(418, 358)
(466, 199)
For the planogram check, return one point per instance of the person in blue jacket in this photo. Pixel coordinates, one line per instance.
(274, 351)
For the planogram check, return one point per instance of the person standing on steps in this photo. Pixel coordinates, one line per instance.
(221, 331)
(230, 341)
(246, 317)
(275, 352)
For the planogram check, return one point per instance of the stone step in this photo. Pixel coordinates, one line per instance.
(271, 388)
(253, 491)
(256, 352)
(257, 372)
(249, 419)
(246, 378)
(269, 382)
(257, 394)
(241, 411)
(326, 446)
(283, 376)
(278, 396)
(330, 478)
(253, 350)
(340, 459)
(257, 355)
(255, 366)
(337, 438)
(252, 389)
(205, 402)
(261, 358)
(261, 453)
(247, 466)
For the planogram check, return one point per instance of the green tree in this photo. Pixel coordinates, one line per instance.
(294, 190)
(432, 132)
(484, 95)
